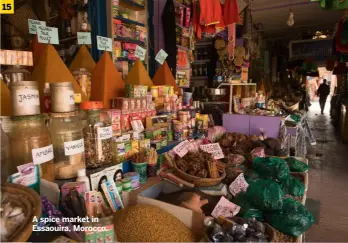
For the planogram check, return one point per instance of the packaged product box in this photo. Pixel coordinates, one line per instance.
(121, 104)
(156, 133)
(143, 104)
(136, 123)
(157, 121)
(125, 122)
(144, 145)
(158, 144)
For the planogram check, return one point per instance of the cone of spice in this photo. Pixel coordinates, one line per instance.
(83, 59)
(138, 75)
(164, 76)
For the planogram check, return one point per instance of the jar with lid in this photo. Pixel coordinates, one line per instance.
(62, 97)
(68, 144)
(31, 143)
(16, 73)
(25, 98)
(5, 156)
(97, 133)
(84, 78)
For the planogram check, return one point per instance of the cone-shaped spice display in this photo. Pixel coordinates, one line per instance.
(51, 69)
(106, 81)
(164, 76)
(83, 59)
(5, 100)
(138, 75)
(38, 49)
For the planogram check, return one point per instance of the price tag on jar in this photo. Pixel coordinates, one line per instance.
(140, 53)
(225, 208)
(74, 147)
(161, 56)
(104, 132)
(104, 43)
(214, 149)
(42, 155)
(28, 97)
(69, 97)
(182, 148)
(47, 35)
(238, 185)
(84, 38)
(33, 23)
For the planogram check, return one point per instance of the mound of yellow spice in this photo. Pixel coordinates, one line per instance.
(145, 223)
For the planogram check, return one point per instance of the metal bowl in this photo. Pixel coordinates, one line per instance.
(215, 94)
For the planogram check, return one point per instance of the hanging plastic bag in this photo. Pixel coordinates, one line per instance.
(296, 165)
(265, 195)
(293, 187)
(294, 219)
(271, 168)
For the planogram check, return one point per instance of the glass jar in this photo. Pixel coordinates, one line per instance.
(84, 78)
(97, 133)
(5, 156)
(31, 143)
(16, 73)
(68, 144)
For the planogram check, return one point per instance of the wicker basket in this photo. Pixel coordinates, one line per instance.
(197, 181)
(29, 201)
(229, 222)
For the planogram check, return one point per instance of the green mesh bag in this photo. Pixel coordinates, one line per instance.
(271, 168)
(296, 165)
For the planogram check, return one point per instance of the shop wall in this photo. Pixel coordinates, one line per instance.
(157, 23)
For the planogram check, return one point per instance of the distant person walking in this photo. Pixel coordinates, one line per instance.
(323, 92)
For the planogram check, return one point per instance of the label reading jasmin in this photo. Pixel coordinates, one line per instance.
(47, 35)
(104, 132)
(42, 155)
(225, 208)
(33, 23)
(28, 97)
(74, 147)
(214, 149)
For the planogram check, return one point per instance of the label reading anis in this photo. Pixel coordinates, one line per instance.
(104, 132)
(42, 155)
(74, 147)
(28, 97)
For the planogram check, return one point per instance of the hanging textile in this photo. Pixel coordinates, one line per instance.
(231, 40)
(210, 12)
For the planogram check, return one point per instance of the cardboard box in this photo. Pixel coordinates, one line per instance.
(149, 191)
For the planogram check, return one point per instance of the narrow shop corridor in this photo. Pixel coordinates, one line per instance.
(327, 196)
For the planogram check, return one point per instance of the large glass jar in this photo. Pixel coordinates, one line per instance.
(84, 78)
(5, 156)
(68, 144)
(31, 143)
(15, 74)
(97, 133)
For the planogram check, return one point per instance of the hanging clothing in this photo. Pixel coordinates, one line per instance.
(231, 12)
(210, 12)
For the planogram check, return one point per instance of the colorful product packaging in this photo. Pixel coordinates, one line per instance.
(121, 104)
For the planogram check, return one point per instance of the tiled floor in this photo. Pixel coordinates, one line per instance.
(328, 181)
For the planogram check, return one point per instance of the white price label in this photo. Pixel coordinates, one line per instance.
(238, 185)
(140, 53)
(214, 149)
(104, 43)
(104, 132)
(84, 38)
(74, 147)
(182, 148)
(161, 56)
(225, 208)
(33, 23)
(28, 97)
(47, 35)
(42, 155)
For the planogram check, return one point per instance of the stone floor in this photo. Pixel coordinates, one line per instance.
(327, 196)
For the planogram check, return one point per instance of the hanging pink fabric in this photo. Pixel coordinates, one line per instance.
(231, 28)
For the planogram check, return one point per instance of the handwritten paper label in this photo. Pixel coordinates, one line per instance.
(42, 155)
(33, 23)
(104, 132)
(47, 35)
(84, 38)
(28, 97)
(225, 208)
(104, 43)
(74, 147)
(69, 97)
(140, 53)
(214, 149)
(238, 185)
(161, 56)
(181, 148)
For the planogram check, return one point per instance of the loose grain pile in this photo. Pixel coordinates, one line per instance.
(280, 237)
(145, 223)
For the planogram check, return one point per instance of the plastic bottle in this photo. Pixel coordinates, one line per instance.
(81, 177)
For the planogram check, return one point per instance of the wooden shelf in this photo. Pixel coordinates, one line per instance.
(132, 5)
(68, 39)
(199, 77)
(125, 39)
(129, 21)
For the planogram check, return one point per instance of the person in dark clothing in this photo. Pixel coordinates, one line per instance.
(323, 92)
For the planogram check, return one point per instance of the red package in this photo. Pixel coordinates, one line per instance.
(125, 123)
(143, 106)
(138, 104)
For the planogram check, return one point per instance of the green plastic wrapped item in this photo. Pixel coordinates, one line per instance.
(271, 168)
(296, 118)
(251, 176)
(296, 165)
(294, 219)
(265, 195)
(246, 208)
(293, 187)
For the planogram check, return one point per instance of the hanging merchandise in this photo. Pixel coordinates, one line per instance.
(231, 39)
(97, 133)
(31, 143)
(68, 144)
(342, 36)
